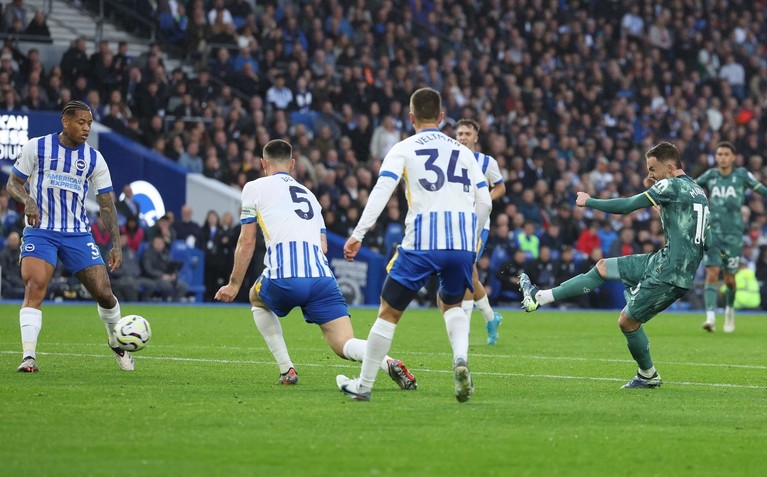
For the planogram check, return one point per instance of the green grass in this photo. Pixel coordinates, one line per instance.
(203, 400)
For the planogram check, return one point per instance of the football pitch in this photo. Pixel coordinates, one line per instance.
(204, 400)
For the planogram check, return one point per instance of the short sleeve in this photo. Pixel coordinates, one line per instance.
(249, 208)
(493, 173)
(750, 179)
(26, 163)
(662, 192)
(101, 179)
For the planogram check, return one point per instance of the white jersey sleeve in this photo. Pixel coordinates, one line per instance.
(101, 179)
(493, 172)
(388, 178)
(290, 218)
(27, 162)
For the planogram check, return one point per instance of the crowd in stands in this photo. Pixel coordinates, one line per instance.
(17, 21)
(568, 95)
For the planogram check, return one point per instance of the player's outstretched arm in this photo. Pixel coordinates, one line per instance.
(614, 206)
(243, 254)
(16, 189)
(379, 196)
(108, 213)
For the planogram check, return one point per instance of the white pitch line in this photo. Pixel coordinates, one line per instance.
(419, 370)
(439, 353)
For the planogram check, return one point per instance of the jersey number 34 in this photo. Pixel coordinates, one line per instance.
(439, 182)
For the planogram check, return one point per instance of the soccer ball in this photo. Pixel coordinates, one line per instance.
(132, 332)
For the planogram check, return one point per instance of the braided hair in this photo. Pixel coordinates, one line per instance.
(72, 106)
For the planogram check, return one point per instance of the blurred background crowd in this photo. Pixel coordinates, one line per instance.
(568, 94)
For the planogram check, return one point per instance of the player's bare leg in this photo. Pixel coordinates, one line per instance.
(339, 335)
(36, 274)
(96, 280)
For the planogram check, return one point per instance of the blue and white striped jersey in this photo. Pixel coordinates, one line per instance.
(290, 217)
(441, 178)
(59, 178)
(492, 173)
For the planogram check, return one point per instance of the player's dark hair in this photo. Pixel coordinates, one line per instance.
(665, 152)
(467, 122)
(278, 150)
(726, 144)
(426, 104)
(71, 107)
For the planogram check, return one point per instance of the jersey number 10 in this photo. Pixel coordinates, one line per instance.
(701, 213)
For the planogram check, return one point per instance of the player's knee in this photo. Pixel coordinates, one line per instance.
(626, 323)
(35, 286)
(104, 297)
(601, 267)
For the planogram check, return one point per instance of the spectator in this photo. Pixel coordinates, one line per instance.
(279, 96)
(38, 28)
(384, 137)
(16, 11)
(543, 269)
(127, 207)
(128, 283)
(132, 233)
(156, 265)
(75, 61)
(220, 14)
(208, 242)
(13, 285)
(625, 245)
(508, 276)
(187, 229)
(735, 75)
(163, 229)
(527, 241)
(190, 158)
(8, 217)
(589, 239)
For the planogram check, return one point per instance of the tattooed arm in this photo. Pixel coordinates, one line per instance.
(16, 189)
(109, 216)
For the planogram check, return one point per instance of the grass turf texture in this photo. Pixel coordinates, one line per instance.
(203, 400)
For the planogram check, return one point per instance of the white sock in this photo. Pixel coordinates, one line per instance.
(484, 306)
(376, 348)
(647, 373)
(354, 350)
(30, 322)
(110, 318)
(710, 316)
(269, 326)
(457, 324)
(544, 297)
(467, 306)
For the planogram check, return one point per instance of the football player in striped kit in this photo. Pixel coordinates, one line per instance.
(467, 133)
(448, 204)
(59, 169)
(296, 271)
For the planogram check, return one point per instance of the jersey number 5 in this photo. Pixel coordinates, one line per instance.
(701, 215)
(304, 214)
(433, 154)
